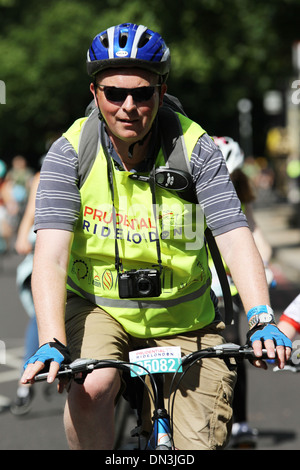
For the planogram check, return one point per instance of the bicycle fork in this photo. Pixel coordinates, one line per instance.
(161, 437)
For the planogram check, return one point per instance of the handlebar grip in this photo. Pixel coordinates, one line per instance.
(44, 375)
(41, 377)
(249, 354)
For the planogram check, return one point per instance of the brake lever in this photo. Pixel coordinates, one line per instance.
(71, 369)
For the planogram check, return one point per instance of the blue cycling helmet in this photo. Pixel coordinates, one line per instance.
(129, 45)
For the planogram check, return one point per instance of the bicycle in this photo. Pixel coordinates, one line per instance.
(161, 436)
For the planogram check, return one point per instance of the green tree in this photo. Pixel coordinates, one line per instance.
(222, 50)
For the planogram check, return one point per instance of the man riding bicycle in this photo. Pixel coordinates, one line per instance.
(122, 245)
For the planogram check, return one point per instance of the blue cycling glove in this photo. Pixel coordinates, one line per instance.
(268, 331)
(53, 351)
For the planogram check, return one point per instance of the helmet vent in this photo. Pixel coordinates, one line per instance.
(104, 40)
(145, 38)
(123, 39)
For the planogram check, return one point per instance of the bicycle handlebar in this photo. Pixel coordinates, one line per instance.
(79, 369)
(87, 366)
(224, 351)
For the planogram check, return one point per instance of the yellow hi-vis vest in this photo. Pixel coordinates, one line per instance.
(185, 303)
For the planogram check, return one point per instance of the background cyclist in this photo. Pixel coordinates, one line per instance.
(289, 322)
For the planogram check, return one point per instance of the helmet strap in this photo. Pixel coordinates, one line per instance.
(140, 142)
(100, 115)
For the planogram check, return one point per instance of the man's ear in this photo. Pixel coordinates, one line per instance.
(93, 91)
(163, 91)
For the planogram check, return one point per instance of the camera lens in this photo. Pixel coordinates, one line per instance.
(144, 286)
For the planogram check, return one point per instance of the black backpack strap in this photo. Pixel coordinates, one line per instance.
(89, 145)
(173, 102)
(174, 149)
(218, 262)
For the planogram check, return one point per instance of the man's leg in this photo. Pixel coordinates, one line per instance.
(89, 411)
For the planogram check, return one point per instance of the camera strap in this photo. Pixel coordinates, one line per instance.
(152, 188)
(118, 262)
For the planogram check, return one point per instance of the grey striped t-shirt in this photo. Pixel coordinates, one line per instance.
(58, 197)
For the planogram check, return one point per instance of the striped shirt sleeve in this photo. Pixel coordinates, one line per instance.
(58, 197)
(214, 188)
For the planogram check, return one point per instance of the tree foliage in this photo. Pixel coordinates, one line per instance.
(222, 50)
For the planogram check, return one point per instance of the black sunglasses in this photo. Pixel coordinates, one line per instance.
(119, 95)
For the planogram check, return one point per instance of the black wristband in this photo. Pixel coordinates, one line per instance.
(252, 331)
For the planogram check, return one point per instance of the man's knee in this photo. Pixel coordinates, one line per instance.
(101, 386)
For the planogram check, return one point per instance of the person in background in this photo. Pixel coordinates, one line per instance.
(289, 322)
(24, 245)
(16, 188)
(6, 230)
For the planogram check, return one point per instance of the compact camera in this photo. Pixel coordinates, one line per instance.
(139, 283)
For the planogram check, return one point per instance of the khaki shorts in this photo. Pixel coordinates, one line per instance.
(202, 411)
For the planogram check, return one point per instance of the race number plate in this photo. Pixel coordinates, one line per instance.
(156, 360)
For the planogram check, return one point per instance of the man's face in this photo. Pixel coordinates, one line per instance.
(128, 119)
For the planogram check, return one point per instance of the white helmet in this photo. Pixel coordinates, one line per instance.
(232, 152)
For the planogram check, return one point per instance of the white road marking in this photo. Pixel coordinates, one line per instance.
(13, 365)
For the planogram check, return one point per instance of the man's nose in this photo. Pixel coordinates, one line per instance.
(129, 103)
